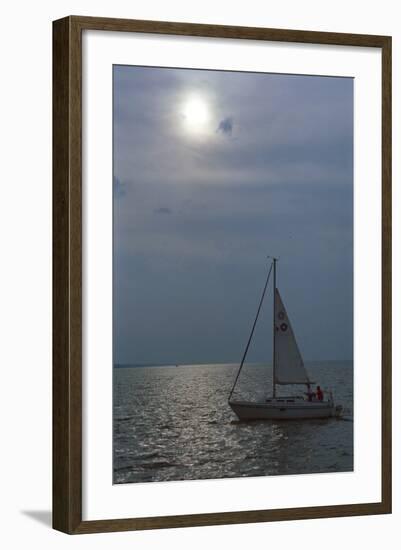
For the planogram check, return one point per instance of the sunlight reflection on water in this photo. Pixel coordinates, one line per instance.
(174, 423)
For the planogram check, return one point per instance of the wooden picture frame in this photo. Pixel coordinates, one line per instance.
(67, 274)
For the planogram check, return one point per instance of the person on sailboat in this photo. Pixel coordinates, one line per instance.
(309, 393)
(319, 393)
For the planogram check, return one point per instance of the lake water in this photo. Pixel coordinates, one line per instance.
(174, 423)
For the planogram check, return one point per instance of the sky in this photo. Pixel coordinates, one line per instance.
(213, 172)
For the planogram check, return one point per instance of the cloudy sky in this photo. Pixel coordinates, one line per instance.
(213, 172)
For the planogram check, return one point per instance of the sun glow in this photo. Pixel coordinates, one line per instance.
(196, 114)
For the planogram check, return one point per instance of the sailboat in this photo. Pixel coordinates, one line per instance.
(288, 369)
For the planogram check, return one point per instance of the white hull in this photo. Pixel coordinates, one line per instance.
(283, 409)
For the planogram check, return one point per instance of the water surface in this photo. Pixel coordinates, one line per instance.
(174, 423)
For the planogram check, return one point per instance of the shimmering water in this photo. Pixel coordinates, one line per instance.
(174, 423)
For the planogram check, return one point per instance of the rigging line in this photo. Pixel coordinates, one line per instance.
(252, 331)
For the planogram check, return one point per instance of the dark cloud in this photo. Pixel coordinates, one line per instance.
(162, 210)
(226, 126)
(118, 188)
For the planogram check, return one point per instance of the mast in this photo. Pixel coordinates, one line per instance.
(274, 327)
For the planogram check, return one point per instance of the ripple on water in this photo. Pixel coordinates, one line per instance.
(175, 423)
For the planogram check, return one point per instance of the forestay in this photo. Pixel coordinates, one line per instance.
(289, 366)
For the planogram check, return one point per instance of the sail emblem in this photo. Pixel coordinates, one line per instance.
(283, 326)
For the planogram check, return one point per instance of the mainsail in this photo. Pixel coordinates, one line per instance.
(289, 366)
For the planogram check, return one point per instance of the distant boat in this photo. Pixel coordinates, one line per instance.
(288, 368)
